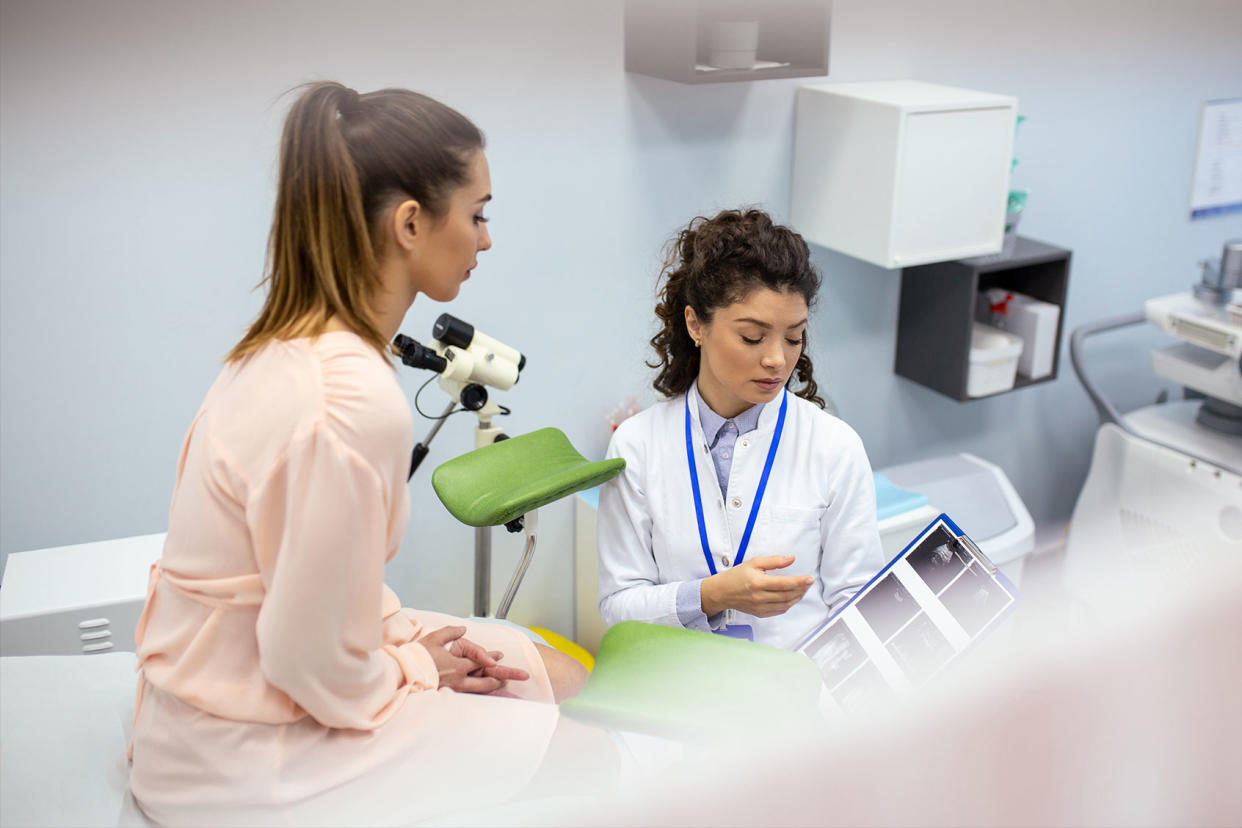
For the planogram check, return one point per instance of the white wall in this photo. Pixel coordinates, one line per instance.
(137, 157)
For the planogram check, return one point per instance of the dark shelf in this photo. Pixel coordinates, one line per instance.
(1025, 252)
(937, 311)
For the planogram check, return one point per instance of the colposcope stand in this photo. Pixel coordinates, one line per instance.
(475, 397)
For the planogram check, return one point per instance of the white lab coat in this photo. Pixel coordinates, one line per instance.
(819, 506)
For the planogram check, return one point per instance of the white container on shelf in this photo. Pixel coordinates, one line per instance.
(1032, 320)
(993, 360)
(733, 44)
(902, 173)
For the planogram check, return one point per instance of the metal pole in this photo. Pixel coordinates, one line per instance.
(435, 429)
(484, 434)
(530, 524)
(421, 449)
(482, 570)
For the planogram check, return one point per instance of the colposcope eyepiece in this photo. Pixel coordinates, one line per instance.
(452, 331)
(417, 355)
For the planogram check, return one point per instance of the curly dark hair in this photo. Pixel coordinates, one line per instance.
(715, 262)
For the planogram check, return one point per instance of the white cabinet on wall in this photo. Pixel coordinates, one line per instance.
(902, 173)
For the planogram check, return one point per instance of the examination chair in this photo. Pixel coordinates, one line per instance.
(646, 678)
(504, 484)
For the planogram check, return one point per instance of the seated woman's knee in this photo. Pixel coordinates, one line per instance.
(566, 673)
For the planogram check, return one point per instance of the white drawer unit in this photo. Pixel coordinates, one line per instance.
(70, 600)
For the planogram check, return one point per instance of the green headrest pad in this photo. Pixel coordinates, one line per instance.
(497, 483)
(688, 684)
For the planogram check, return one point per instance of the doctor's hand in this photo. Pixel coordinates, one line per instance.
(750, 589)
(465, 666)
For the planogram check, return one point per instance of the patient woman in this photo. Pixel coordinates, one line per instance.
(280, 677)
(744, 509)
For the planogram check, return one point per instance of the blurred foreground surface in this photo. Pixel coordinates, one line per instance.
(1113, 704)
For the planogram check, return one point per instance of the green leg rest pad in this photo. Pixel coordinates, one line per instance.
(688, 684)
(495, 484)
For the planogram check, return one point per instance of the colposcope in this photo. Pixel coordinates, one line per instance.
(468, 362)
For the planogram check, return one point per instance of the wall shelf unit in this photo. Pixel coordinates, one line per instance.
(670, 40)
(937, 311)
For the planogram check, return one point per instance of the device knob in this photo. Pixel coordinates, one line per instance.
(473, 397)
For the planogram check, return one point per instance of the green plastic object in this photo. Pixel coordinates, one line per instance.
(495, 484)
(687, 684)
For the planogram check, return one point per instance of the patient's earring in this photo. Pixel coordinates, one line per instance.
(698, 344)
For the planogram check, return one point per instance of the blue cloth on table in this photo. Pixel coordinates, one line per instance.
(891, 500)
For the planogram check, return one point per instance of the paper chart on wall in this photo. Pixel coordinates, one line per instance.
(930, 603)
(1217, 186)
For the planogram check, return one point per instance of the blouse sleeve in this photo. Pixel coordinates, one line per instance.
(320, 524)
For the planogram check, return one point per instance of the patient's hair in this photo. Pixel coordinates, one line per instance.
(344, 159)
(715, 262)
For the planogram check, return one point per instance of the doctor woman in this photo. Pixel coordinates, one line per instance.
(280, 680)
(744, 509)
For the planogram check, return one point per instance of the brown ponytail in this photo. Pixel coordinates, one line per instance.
(344, 157)
(715, 262)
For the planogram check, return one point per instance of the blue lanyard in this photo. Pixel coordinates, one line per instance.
(763, 484)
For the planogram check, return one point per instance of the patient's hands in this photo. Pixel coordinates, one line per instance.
(749, 588)
(465, 666)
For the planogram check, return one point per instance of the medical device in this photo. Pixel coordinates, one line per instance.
(468, 361)
(1207, 360)
(462, 356)
(1165, 485)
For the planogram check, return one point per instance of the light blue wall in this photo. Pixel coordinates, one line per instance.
(137, 155)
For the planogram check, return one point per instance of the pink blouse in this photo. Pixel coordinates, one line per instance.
(268, 606)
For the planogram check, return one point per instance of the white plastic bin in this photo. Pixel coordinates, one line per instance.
(993, 360)
(979, 498)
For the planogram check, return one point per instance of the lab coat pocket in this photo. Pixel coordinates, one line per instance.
(788, 530)
(797, 516)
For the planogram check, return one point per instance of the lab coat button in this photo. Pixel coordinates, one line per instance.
(724, 561)
(737, 504)
(746, 444)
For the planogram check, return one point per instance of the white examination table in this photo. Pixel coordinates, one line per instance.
(64, 728)
(1120, 717)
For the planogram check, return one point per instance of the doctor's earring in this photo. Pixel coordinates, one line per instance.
(698, 344)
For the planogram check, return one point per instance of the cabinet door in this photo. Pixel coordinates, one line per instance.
(952, 184)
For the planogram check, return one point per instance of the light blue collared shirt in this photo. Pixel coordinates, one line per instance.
(721, 436)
